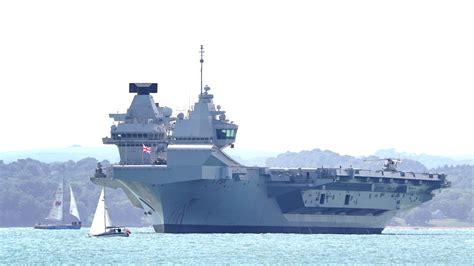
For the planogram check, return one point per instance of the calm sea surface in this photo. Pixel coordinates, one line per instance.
(426, 246)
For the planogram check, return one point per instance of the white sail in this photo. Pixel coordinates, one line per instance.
(101, 217)
(56, 212)
(72, 206)
(99, 221)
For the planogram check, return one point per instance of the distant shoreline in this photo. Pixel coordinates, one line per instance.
(432, 227)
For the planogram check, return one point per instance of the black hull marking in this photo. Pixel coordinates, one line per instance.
(235, 229)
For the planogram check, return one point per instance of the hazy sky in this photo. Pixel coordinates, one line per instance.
(349, 76)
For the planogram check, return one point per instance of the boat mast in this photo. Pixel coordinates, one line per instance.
(62, 204)
(202, 61)
(105, 211)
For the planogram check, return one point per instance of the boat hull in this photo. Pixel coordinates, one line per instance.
(112, 234)
(234, 207)
(59, 226)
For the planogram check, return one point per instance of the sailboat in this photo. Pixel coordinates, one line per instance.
(56, 212)
(102, 224)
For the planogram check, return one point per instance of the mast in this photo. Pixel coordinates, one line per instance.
(105, 211)
(201, 61)
(62, 204)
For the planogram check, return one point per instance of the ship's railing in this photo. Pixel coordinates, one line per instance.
(108, 140)
(302, 174)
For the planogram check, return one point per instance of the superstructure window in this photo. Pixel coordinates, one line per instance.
(225, 133)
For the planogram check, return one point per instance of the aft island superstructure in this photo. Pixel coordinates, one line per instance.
(176, 170)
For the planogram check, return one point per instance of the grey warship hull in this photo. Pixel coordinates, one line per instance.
(216, 195)
(238, 209)
(176, 170)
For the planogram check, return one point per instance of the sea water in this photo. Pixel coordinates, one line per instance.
(394, 246)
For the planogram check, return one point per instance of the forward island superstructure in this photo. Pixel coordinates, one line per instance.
(176, 170)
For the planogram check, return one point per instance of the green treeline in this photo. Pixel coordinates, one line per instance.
(27, 190)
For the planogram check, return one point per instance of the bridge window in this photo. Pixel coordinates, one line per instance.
(225, 133)
(346, 201)
(322, 198)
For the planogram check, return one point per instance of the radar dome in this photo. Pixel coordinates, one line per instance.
(180, 116)
(167, 111)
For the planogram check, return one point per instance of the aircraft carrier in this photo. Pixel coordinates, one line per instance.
(176, 170)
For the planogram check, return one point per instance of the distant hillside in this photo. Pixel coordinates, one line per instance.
(250, 157)
(246, 157)
(75, 153)
(318, 158)
(429, 161)
(111, 154)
